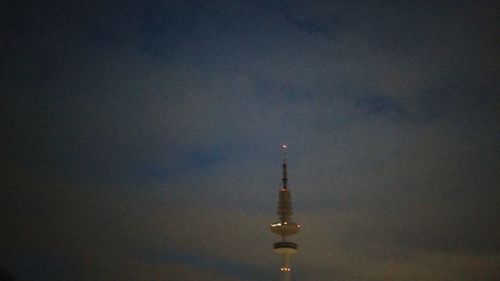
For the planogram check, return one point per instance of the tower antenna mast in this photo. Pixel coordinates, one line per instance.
(285, 176)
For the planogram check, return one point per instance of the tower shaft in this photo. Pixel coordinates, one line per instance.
(286, 268)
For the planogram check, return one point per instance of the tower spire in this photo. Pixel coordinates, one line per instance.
(285, 176)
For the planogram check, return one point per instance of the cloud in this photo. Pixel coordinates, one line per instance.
(137, 158)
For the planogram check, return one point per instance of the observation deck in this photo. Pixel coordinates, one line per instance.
(285, 228)
(285, 247)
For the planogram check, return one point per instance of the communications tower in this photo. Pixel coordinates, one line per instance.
(285, 227)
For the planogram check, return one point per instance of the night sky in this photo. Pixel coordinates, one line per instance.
(140, 140)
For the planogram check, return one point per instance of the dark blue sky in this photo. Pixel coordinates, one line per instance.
(141, 139)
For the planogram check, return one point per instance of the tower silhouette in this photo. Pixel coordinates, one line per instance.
(285, 227)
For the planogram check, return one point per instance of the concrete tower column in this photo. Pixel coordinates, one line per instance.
(286, 264)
